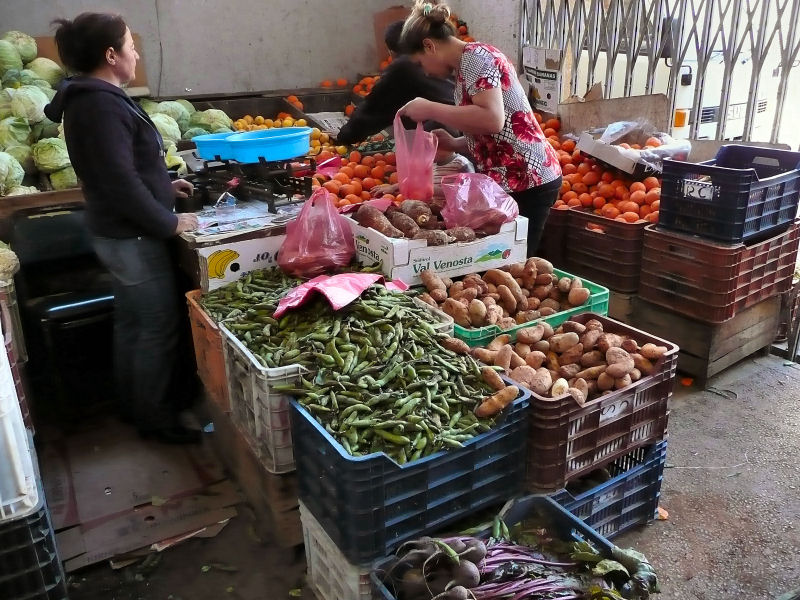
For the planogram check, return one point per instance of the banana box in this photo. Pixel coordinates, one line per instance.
(227, 262)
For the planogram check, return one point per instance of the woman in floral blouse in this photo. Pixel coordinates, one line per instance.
(500, 132)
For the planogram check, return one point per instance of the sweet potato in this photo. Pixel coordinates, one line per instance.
(560, 387)
(569, 371)
(426, 298)
(503, 358)
(484, 355)
(417, 210)
(589, 339)
(583, 387)
(497, 402)
(456, 289)
(522, 349)
(623, 382)
(572, 355)
(592, 359)
(652, 352)
(545, 279)
(541, 346)
(477, 311)
(594, 324)
(550, 303)
(467, 295)
(605, 382)
(461, 234)
(608, 340)
(404, 223)
(578, 296)
(564, 341)
(530, 335)
(548, 330)
(644, 366)
(369, 216)
(431, 280)
(529, 274)
(541, 382)
(619, 362)
(516, 270)
(455, 345)
(474, 281)
(506, 323)
(498, 278)
(439, 295)
(563, 284)
(526, 316)
(591, 372)
(542, 265)
(493, 313)
(630, 346)
(498, 342)
(552, 361)
(535, 359)
(578, 328)
(523, 374)
(458, 311)
(507, 299)
(542, 291)
(635, 374)
(491, 377)
(516, 360)
(433, 238)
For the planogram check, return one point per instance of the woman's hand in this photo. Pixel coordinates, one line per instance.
(419, 109)
(450, 143)
(183, 189)
(186, 221)
(384, 188)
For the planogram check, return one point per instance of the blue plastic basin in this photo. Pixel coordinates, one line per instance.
(270, 144)
(212, 145)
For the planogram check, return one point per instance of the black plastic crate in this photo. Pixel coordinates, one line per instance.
(369, 505)
(744, 194)
(628, 499)
(30, 568)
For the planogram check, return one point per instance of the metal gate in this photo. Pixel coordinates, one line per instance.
(728, 63)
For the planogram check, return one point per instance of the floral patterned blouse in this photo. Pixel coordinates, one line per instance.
(519, 157)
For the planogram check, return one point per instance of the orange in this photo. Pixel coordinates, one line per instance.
(577, 157)
(565, 186)
(573, 202)
(357, 89)
(586, 200)
(342, 178)
(357, 187)
(346, 190)
(332, 186)
(399, 198)
(378, 172)
(368, 161)
(352, 198)
(620, 191)
(554, 143)
(388, 197)
(361, 171)
(653, 217)
(565, 159)
(538, 117)
(580, 188)
(393, 178)
(607, 176)
(598, 202)
(651, 182)
(630, 217)
(292, 98)
(390, 158)
(638, 196)
(368, 182)
(365, 195)
(325, 155)
(610, 211)
(569, 168)
(568, 145)
(341, 203)
(606, 191)
(569, 196)
(653, 196)
(638, 186)
(653, 141)
(553, 124)
(341, 82)
(349, 109)
(355, 156)
(655, 206)
(561, 205)
(326, 84)
(584, 168)
(590, 177)
(644, 211)
(628, 207)
(549, 132)
(378, 157)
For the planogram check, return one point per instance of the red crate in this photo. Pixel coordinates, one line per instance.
(711, 282)
(209, 352)
(553, 245)
(606, 251)
(567, 440)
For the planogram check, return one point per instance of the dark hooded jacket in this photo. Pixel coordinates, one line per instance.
(118, 155)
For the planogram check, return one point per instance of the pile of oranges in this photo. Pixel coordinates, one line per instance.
(295, 101)
(462, 31)
(328, 83)
(283, 119)
(353, 182)
(364, 87)
(385, 63)
(606, 192)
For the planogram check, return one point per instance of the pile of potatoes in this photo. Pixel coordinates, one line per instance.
(577, 359)
(507, 297)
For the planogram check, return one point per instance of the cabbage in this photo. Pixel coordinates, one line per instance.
(193, 132)
(5, 103)
(148, 106)
(50, 155)
(174, 161)
(44, 129)
(9, 57)
(63, 179)
(176, 111)
(167, 127)
(210, 120)
(25, 44)
(49, 92)
(47, 69)
(14, 78)
(13, 131)
(24, 156)
(20, 190)
(11, 173)
(187, 105)
(28, 102)
(223, 130)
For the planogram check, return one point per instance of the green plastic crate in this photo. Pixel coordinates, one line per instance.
(597, 303)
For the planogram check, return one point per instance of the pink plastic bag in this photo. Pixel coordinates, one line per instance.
(318, 239)
(474, 200)
(415, 151)
(340, 290)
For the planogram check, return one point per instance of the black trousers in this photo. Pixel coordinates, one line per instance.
(535, 204)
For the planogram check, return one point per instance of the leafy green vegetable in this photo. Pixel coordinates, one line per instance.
(47, 69)
(606, 566)
(28, 102)
(167, 127)
(22, 190)
(24, 156)
(187, 105)
(11, 173)
(14, 131)
(210, 120)
(25, 44)
(175, 110)
(63, 179)
(9, 57)
(50, 155)
(194, 132)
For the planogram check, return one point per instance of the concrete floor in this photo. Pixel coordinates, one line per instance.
(731, 489)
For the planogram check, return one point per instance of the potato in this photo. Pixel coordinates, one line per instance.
(529, 274)
(531, 335)
(552, 361)
(499, 278)
(572, 355)
(550, 303)
(560, 387)
(526, 316)
(429, 279)
(544, 279)
(456, 345)
(605, 382)
(456, 289)
(488, 300)
(507, 323)
(608, 340)
(535, 359)
(522, 349)
(555, 293)
(503, 358)
(491, 377)
(541, 382)
(541, 291)
(542, 265)
(577, 395)
(630, 346)
(447, 282)
(576, 283)
(524, 375)
(438, 295)
(619, 362)
(517, 269)
(467, 295)
(426, 298)
(623, 382)
(548, 331)
(477, 311)
(474, 280)
(592, 359)
(493, 312)
(635, 375)
(498, 342)
(547, 311)
(569, 371)
(507, 299)
(653, 352)
(578, 328)
(582, 386)
(541, 346)
(644, 366)
(563, 341)
(594, 324)
(458, 311)
(589, 339)
(484, 355)
(526, 292)
(516, 360)
(491, 288)
(578, 296)
(592, 372)
(564, 284)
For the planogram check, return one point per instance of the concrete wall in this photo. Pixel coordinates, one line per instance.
(206, 46)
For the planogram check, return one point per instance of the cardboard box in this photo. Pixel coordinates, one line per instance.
(616, 156)
(404, 259)
(226, 262)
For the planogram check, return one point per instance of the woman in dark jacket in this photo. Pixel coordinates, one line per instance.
(118, 155)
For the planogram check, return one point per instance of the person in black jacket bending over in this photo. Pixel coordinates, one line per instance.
(118, 155)
(401, 82)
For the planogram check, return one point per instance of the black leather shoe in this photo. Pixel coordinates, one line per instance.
(172, 435)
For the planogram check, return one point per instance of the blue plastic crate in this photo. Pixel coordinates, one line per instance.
(369, 505)
(628, 499)
(270, 144)
(561, 522)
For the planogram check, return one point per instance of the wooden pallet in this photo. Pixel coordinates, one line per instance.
(707, 349)
(274, 498)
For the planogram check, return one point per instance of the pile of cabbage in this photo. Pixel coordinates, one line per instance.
(32, 155)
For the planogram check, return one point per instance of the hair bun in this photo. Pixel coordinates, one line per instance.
(439, 14)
